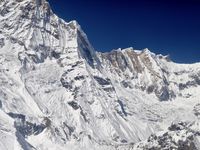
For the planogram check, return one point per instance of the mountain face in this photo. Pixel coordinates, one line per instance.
(57, 92)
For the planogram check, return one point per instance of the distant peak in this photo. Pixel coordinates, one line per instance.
(128, 49)
(146, 50)
(74, 25)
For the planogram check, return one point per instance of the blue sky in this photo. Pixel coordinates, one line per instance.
(164, 26)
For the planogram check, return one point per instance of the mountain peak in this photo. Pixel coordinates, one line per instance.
(34, 25)
(57, 92)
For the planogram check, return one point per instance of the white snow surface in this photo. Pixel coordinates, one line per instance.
(58, 93)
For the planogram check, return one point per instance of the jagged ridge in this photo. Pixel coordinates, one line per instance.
(57, 91)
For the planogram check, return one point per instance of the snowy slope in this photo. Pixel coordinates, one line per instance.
(57, 92)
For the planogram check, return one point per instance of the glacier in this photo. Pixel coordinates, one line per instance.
(57, 92)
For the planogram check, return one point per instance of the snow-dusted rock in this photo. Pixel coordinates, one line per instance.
(180, 136)
(57, 92)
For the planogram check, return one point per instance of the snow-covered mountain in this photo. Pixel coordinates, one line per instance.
(57, 92)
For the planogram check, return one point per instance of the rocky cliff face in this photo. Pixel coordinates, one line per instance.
(181, 136)
(57, 92)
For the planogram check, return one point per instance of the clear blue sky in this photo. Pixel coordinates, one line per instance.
(164, 26)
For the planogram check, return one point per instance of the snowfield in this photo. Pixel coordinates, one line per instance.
(58, 93)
